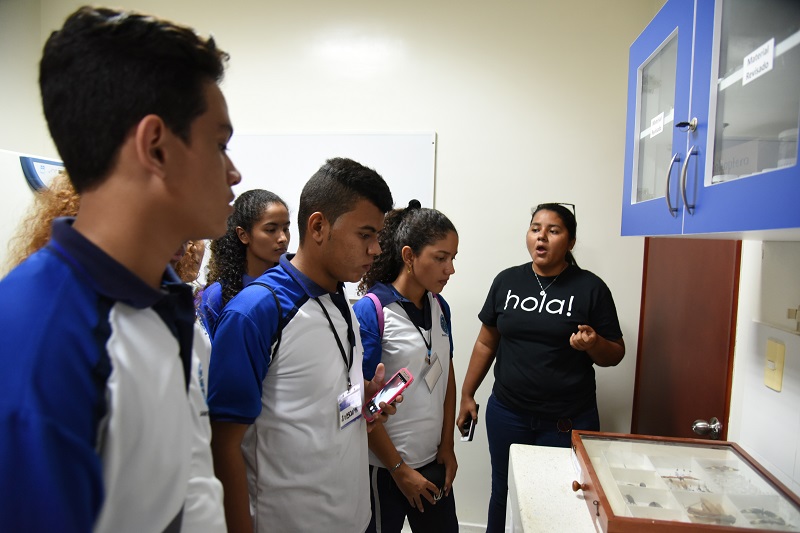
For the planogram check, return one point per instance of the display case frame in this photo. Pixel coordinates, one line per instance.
(636, 483)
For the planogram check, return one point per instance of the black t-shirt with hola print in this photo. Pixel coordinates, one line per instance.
(536, 370)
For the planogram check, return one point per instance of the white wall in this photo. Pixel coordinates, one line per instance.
(527, 98)
(22, 125)
(766, 422)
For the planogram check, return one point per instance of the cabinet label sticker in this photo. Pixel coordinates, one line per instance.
(656, 124)
(758, 62)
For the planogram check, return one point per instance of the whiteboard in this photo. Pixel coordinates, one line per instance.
(284, 163)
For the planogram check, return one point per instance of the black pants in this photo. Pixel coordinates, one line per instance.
(392, 508)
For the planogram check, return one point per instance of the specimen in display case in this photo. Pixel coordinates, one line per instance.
(641, 483)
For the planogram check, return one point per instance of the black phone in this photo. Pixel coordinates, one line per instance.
(468, 428)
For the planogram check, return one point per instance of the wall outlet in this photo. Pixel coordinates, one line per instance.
(773, 367)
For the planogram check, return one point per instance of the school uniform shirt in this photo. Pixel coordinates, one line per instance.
(416, 428)
(97, 424)
(536, 370)
(305, 473)
(211, 304)
(203, 511)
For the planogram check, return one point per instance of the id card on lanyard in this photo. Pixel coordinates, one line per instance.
(432, 372)
(432, 369)
(350, 401)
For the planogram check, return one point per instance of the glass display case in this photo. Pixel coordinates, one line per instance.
(640, 483)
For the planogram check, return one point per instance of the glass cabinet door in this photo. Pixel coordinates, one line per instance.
(656, 117)
(659, 80)
(758, 88)
(749, 178)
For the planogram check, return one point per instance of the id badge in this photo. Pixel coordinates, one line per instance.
(432, 372)
(349, 406)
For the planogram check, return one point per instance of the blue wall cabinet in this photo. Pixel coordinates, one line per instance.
(713, 111)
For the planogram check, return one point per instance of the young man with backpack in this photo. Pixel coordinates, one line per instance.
(285, 381)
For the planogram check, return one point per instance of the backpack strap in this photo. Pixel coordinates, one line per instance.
(378, 310)
(280, 317)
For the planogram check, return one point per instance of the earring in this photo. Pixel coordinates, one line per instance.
(409, 268)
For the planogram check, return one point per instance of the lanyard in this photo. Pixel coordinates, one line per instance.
(428, 342)
(351, 338)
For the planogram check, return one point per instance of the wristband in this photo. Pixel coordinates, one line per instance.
(395, 467)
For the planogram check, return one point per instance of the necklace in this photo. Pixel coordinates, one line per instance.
(543, 292)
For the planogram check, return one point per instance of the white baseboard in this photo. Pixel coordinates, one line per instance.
(471, 528)
(462, 528)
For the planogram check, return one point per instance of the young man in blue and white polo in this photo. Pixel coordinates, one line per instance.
(285, 381)
(99, 338)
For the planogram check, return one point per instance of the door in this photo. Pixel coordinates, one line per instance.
(686, 333)
(743, 172)
(659, 82)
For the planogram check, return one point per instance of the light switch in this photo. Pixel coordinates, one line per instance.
(773, 368)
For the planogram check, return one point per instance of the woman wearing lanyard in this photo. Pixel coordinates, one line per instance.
(412, 462)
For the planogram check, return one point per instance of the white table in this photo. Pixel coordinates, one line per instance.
(540, 496)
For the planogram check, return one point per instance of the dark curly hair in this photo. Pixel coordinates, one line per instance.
(228, 260)
(415, 227)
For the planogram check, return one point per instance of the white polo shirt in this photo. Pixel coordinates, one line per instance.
(305, 473)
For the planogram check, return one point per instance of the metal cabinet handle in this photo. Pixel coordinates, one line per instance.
(689, 207)
(712, 427)
(672, 210)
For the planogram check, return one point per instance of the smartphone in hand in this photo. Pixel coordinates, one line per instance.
(391, 390)
(468, 428)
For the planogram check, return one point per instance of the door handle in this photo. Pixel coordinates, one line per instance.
(689, 207)
(713, 427)
(672, 210)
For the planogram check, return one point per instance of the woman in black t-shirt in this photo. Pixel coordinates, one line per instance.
(547, 323)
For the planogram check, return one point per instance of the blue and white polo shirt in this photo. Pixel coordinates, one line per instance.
(304, 472)
(97, 425)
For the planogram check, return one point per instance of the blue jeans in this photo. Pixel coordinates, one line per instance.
(505, 427)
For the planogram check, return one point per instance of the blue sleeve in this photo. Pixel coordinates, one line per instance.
(367, 317)
(447, 319)
(51, 397)
(51, 479)
(210, 307)
(240, 358)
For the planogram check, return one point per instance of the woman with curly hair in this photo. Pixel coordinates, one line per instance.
(187, 260)
(257, 236)
(412, 461)
(59, 199)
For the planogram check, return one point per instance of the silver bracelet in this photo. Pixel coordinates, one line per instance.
(395, 467)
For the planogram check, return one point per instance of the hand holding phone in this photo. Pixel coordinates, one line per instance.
(391, 390)
(468, 428)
